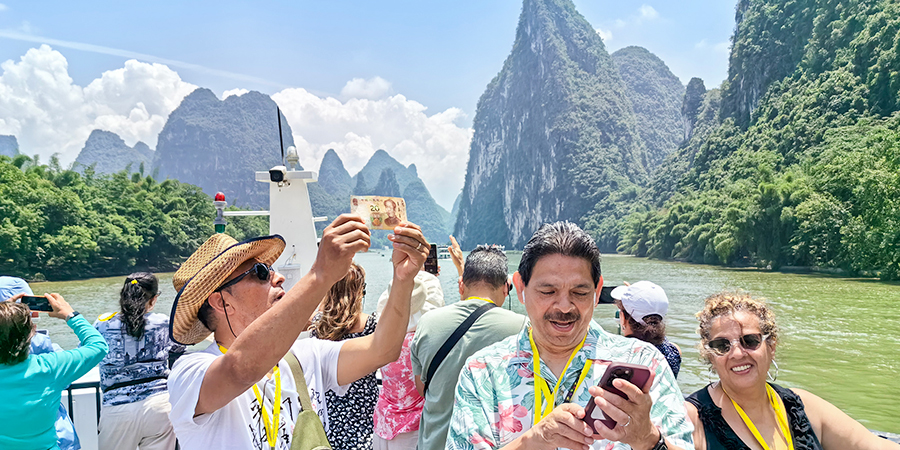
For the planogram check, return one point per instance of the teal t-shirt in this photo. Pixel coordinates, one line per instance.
(31, 389)
(432, 331)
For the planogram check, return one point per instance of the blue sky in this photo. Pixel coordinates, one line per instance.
(437, 57)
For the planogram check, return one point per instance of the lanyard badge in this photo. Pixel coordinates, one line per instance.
(541, 386)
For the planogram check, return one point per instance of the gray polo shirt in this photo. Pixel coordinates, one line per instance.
(432, 331)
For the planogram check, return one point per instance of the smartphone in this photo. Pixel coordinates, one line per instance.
(635, 374)
(431, 262)
(36, 303)
(606, 295)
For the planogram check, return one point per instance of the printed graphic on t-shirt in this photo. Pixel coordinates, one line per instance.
(290, 409)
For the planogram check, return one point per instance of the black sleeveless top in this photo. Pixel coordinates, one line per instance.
(720, 436)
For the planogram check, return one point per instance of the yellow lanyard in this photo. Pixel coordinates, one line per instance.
(481, 298)
(542, 386)
(780, 415)
(271, 426)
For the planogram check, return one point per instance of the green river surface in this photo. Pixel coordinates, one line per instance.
(839, 337)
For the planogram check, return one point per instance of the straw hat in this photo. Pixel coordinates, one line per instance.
(205, 271)
(426, 295)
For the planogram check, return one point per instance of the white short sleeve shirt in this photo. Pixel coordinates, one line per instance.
(239, 424)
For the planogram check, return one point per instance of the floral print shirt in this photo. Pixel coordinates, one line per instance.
(399, 405)
(495, 394)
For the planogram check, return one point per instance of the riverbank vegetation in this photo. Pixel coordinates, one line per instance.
(802, 167)
(61, 224)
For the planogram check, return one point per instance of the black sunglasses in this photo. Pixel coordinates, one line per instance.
(722, 346)
(262, 271)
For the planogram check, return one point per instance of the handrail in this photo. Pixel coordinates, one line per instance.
(87, 385)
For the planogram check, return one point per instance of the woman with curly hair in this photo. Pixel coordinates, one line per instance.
(742, 411)
(341, 317)
(133, 375)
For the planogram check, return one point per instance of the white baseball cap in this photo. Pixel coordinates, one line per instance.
(642, 299)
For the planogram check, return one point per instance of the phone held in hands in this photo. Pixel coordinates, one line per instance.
(633, 373)
(36, 303)
(606, 295)
(431, 262)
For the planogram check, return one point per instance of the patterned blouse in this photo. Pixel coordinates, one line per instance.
(495, 394)
(135, 368)
(670, 351)
(399, 405)
(350, 416)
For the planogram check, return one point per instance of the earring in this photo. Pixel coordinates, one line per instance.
(710, 374)
(769, 374)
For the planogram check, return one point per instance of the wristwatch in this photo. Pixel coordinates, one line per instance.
(661, 445)
(72, 315)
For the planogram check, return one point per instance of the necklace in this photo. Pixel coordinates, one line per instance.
(780, 416)
(541, 386)
(270, 425)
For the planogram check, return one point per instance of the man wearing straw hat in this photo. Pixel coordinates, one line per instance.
(239, 393)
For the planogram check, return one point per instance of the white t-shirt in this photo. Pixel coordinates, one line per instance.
(239, 424)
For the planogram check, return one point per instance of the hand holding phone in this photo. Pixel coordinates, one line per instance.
(431, 261)
(633, 373)
(36, 303)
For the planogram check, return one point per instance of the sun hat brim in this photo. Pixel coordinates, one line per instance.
(205, 270)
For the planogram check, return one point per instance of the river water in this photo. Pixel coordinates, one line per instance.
(840, 337)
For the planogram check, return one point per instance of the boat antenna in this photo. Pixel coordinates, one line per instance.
(280, 138)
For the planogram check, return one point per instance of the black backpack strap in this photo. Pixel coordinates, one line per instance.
(453, 339)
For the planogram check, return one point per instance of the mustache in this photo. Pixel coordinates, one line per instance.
(559, 316)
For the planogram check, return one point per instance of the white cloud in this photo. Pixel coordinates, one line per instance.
(26, 35)
(373, 89)
(3, 7)
(357, 127)
(647, 12)
(48, 113)
(606, 35)
(239, 92)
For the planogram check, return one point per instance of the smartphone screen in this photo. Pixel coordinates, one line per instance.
(635, 374)
(606, 295)
(431, 262)
(36, 303)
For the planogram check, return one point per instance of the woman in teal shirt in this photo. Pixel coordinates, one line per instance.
(32, 384)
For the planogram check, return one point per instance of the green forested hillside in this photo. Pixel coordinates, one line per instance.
(60, 224)
(803, 165)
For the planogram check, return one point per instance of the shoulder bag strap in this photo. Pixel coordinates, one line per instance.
(452, 340)
(299, 380)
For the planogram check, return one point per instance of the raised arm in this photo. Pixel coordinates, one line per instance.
(267, 339)
(72, 364)
(363, 355)
(836, 429)
(456, 255)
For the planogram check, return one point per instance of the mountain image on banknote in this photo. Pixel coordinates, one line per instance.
(379, 213)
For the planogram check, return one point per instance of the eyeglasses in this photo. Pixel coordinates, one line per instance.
(262, 271)
(722, 346)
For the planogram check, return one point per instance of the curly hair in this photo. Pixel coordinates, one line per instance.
(138, 290)
(728, 303)
(342, 305)
(15, 332)
(655, 330)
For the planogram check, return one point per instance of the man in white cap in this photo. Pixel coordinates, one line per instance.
(642, 312)
(239, 393)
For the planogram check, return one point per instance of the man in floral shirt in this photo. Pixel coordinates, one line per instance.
(501, 402)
